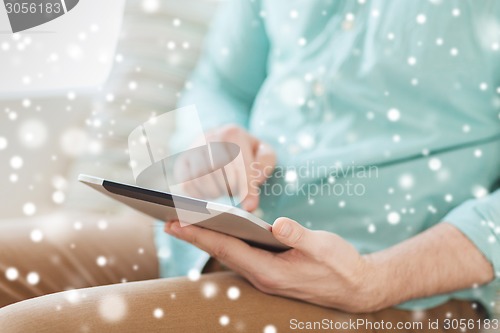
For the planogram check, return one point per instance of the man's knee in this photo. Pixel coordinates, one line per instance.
(151, 306)
(34, 315)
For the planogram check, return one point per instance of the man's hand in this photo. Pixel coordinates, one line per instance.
(321, 268)
(259, 161)
(324, 269)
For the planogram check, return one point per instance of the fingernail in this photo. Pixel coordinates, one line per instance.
(285, 230)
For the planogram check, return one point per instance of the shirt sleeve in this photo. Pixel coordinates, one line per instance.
(479, 220)
(232, 67)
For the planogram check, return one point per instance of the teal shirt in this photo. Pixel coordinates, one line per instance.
(397, 101)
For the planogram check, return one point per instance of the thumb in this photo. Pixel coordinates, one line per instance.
(291, 233)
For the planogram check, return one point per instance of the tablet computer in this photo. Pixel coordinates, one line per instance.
(210, 215)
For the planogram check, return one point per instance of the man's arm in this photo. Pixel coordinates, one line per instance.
(322, 268)
(439, 260)
(231, 69)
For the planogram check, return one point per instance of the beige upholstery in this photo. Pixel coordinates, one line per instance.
(147, 61)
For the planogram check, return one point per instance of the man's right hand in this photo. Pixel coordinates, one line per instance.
(259, 162)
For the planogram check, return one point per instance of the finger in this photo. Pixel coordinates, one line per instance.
(228, 249)
(202, 173)
(251, 200)
(181, 169)
(166, 226)
(196, 167)
(291, 233)
(187, 185)
(183, 175)
(190, 189)
(223, 160)
(232, 179)
(236, 268)
(211, 185)
(265, 161)
(247, 194)
(262, 167)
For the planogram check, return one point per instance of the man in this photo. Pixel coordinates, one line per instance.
(353, 83)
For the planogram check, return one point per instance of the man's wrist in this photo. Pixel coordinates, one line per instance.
(375, 287)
